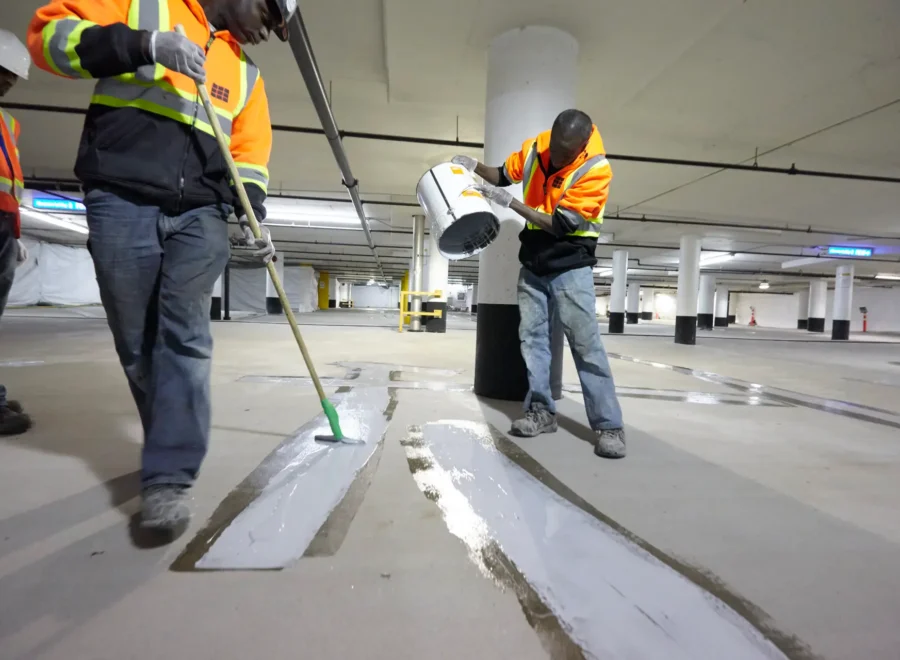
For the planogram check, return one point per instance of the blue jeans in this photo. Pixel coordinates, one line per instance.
(570, 297)
(156, 274)
(9, 250)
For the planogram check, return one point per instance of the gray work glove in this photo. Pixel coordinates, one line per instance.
(21, 253)
(263, 247)
(498, 196)
(465, 161)
(178, 53)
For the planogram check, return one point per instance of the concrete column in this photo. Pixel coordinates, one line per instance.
(802, 298)
(324, 290)
(617, 292)
(527, 87)
(818, 292)
(843, 303)
(688, 289)
(215, 305)
(648, 304)
(417, 278)
(334, 295)
(633, 304)
(474, 308)
(436, 280)
(557, 346)
(721, 319)
(273, 303)
(706, 305)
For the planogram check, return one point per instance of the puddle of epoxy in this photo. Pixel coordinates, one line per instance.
(615, 599)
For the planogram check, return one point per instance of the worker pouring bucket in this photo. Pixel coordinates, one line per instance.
(461, 218)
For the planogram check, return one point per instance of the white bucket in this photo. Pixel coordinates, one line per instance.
(461, 218)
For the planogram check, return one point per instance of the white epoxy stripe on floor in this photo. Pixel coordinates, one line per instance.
(616, 599)
(278, 526)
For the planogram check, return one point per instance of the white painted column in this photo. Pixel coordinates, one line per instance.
(531, 78)
(334, 287)
(648, 304)
(633, 304)
(688, 289)
(273, 303)
(721, 318)
(617, 292)
(818, 292)
(843, 303)
(802, 298)
(706, 305)
(474, 306)
(437, 275)
(215, 304)
(417, 273)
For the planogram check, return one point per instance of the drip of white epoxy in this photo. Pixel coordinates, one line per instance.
(616, 599)
(278, 526)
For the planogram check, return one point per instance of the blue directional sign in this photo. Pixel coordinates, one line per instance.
(840, 251)
(59, 204)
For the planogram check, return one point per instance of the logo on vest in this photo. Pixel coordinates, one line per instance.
(558, 182)
(221, 93)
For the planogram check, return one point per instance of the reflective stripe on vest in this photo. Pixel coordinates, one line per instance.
(147, 90)
(60, 39)
(15, 187)
(587, 227)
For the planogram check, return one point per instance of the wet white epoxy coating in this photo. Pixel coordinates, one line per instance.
(617, 600)
(278, 526)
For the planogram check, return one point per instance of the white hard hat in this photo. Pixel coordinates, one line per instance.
(13, 54)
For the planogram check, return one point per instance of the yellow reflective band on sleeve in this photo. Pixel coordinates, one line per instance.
(148, 15)
(255, 174)
(61, 37)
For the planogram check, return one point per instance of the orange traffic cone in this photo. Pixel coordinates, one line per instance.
(753, 317)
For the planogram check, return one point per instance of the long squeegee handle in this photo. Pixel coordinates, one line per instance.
(213, 119)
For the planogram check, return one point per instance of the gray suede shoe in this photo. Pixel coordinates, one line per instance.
(536, 421)
(164, 508)
(610, 443)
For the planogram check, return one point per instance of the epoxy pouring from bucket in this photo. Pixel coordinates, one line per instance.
(461, 218)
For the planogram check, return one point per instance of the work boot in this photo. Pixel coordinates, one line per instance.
(164, 508)
(610, 443)
(537, 420)
(12, 422)
(15, 406)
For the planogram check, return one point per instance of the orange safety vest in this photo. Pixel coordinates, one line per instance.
(12, 183)
(580, 189)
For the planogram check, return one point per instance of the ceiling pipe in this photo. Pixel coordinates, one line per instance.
(306, 60)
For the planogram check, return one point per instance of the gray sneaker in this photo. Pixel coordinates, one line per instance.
(536, 421)
(610, 443)
(165, 508)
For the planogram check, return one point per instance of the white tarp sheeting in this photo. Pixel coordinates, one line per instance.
(55, 275)
(248, 289)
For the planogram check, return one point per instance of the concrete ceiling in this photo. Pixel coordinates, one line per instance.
(806, 82)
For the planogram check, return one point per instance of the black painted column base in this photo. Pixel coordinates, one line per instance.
(499, 368)
(332, 304)
(273, 306)
(732, 319)
(646, 316)
(215, 309)
(840, 330)
(721, 322)
(475, 308)
(616, 323)
(816, 325)
(803, 324)
(686, 330)
(632, 318)
(704, 321)
(431, 323)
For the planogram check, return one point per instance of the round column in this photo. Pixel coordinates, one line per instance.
(818, 292)
(706, 305)
(633, 304)
(215, 303)
(802, 298)
(721, 318)
(648, 305)
(273, 302)
(843, 303)
(617, 292)
(437, 275)
(688, 289)
(531, 78)
(557, 346)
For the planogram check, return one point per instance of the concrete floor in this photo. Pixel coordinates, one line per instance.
(790, 506)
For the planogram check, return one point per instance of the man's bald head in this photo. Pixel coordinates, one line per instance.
(571, 132)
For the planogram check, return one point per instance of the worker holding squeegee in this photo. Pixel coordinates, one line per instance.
(158, 195)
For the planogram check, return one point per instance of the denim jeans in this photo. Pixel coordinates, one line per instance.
(156, 274)
(8, 253)
(570, 297)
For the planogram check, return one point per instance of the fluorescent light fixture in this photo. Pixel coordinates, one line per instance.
(764, 285)
(716, 258)
(370, 283)
(46, 218)
(603, 272)
(308, 214)
(888, 276)
(845, 251)
(806, 261)
(604, 239)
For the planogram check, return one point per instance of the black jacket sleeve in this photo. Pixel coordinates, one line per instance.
(111, 50)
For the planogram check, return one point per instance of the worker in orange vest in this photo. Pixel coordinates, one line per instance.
(158, 196)
(565, 179)
(14, 64)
